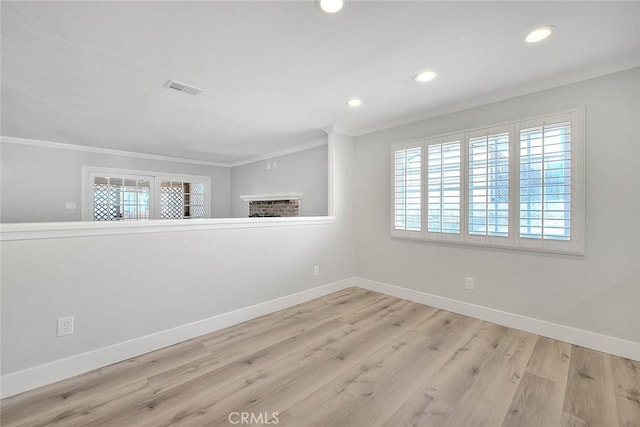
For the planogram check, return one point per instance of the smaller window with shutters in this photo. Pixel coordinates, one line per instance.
(517, 185)
(125, 195)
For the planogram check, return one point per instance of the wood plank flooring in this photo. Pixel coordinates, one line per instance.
(352, 358)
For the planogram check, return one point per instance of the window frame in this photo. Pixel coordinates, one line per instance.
(574, 246)
(155, 178)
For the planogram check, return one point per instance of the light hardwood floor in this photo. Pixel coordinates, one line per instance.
(352, 358)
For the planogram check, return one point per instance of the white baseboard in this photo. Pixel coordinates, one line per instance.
(37, 376)
(592, 340)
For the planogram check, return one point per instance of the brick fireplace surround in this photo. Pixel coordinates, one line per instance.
(274, 208)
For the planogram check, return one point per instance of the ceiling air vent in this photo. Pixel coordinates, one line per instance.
(182, 87)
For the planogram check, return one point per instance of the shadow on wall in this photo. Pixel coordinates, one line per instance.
(619, 300)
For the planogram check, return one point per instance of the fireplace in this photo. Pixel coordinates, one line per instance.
(273, 205)
(271, 208)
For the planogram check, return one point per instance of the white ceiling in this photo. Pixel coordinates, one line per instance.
(275, 74)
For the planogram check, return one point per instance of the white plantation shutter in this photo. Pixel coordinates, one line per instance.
(518, 185)
(548, 183)
(488, 178)
(444, 177)
(407, 189)
(545, 182)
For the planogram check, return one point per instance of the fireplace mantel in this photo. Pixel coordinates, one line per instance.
(271, 196)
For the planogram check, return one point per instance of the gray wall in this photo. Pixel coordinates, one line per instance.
(37, 181)
(304, 171)
(156, 281)
(599, 292)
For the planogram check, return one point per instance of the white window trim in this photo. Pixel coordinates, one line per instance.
(89, 172)
(575, 246)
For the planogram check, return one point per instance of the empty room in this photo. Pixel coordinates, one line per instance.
(320, 213)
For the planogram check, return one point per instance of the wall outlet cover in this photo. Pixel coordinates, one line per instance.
(468, 283)
(65, 326)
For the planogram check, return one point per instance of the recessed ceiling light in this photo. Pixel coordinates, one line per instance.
(331, 6)
(539, 34)
(354, 102)
(425, 76)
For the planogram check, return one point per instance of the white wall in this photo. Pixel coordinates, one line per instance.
(304, 171)
(152, 282)
(599, 292)
(38, 181)
(122, 287)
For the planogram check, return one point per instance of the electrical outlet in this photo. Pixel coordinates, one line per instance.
(71, 205)
(65, 326)
(268, 166)
(316, 270)
(468, 283)
(275, 165)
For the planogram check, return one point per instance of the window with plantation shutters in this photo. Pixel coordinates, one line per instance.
(517, 185)
(443, 187)
(550, 183)
(407, 193)
(488, 207)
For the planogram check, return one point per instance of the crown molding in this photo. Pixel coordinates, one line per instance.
(302, 147)
(337, 129)
(575, 76)
(64, 146)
